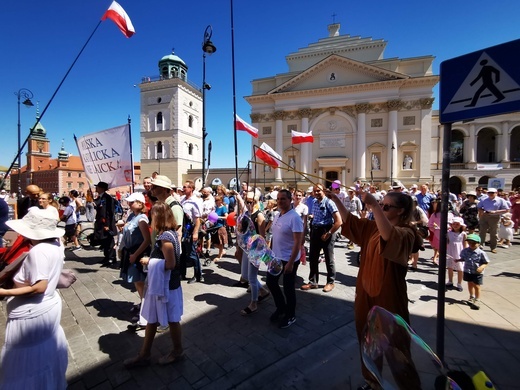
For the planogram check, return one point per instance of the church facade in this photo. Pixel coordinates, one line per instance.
(372, 120)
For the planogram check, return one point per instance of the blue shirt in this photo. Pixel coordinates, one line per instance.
(322, 212)
(424, 201)
(489, 204)
(473, 259)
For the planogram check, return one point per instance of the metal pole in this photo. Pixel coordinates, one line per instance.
(441, 281)
(203, 118)
(19, 150)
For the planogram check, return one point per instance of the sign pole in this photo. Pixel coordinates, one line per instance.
(441, 281)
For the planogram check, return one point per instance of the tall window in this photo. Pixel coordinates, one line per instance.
(159, 121)
(159, 150)
(190, 121)
(190, 149)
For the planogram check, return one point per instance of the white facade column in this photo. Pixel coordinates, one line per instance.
(343, 176)
(426, 139)
(320, 174)
(279, 115)
(361, 148)
(472, 144)
(505, 144)
(393, 106)
(306, 148)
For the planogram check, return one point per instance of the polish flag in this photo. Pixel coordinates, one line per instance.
(242, 125)
(300, 138)
(118, 15)
(268, 155)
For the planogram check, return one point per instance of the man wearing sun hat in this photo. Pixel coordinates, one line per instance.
(490, 209)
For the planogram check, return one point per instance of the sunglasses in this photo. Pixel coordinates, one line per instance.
(250, 201)
(387, 207)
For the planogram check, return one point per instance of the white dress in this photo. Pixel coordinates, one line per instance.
(34, 355)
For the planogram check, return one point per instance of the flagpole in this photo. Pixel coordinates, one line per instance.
(234, 97)
(131, 151)
(39, 118)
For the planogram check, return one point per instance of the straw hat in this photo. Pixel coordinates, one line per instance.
(162, 181)
(38, 224)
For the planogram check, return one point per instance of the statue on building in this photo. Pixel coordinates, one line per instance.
(292, 162)
(375, 163)
(267, 168)
(407, 162)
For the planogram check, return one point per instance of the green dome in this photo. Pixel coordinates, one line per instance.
(172, 58)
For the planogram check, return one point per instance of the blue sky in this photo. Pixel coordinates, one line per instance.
(39, 41)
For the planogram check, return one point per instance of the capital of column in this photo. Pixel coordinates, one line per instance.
(255, 118)
(279, 115)
(394, 105)
(426, 103)
(304, 113)
(363, 108)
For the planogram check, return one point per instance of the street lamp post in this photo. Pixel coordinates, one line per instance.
(26, 95)
(209, 48)
(392, 165)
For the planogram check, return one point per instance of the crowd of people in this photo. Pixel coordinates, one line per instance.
(166, 229)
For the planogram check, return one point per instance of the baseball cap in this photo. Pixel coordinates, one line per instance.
(473, 237)
(136, 196)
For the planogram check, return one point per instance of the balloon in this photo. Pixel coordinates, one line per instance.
(230, 220)
(390, 346)
(213, 217)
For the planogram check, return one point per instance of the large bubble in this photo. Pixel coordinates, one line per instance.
(397, 357)
(245, 229)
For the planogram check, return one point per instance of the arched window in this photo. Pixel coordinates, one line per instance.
(164, 72)
(190, 121)
(166, 150)
(159, 150)
(159, 121)
(190, 149)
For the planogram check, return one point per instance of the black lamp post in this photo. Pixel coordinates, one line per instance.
(392, 165)
(209, 48)
(26, 95)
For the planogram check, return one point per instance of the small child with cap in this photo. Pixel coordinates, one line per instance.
(456, 243)
(475, 260)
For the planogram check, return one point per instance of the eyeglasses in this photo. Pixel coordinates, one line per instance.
(250, 201)
(387, 207)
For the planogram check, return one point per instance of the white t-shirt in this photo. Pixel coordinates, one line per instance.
(302, 210)
(283, 228)
(192, 207)
(44, 262)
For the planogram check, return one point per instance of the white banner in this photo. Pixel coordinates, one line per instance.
(488, 167)
(106, 156)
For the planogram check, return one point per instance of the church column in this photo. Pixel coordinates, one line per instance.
(472, 144)
(343, 176)
(306, 148)
(256, 119)
(279, 116)
(360, 167)
(426, 139)
(393, 106)
(505, 144)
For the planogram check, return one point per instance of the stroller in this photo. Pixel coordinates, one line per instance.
(206, 229)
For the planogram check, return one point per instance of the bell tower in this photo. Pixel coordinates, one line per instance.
(38, 150)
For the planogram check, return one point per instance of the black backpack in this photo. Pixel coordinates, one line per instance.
(187, 226)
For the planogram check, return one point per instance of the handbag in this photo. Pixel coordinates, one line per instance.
(67, 278)
(423, 231)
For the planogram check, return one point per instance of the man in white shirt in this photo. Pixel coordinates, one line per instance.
(192, 207)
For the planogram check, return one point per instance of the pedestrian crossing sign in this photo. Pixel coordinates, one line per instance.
(480, 84)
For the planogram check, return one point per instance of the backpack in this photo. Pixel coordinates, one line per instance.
(187, 226)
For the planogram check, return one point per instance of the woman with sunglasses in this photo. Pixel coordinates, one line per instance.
(386, 244)
(249, 271)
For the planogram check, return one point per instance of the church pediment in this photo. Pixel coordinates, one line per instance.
(336, 71)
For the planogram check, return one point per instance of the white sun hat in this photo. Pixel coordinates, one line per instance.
(38, 224)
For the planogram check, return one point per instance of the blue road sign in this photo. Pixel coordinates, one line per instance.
(480, 84)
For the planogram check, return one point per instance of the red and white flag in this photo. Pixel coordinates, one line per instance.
(301, 138)
(118, 15)
(268, 155)
(240, 124)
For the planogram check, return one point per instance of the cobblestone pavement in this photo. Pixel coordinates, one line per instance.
(225, 350)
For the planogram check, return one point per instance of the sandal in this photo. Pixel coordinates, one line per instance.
(262, 298)
(135, 362)
(247, 311)
(241, 284)
(170, 358)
